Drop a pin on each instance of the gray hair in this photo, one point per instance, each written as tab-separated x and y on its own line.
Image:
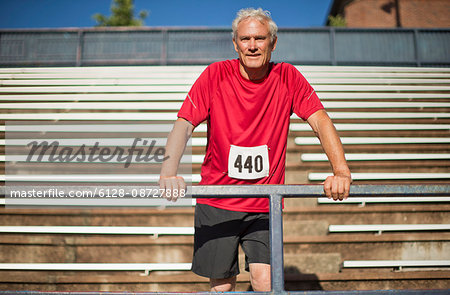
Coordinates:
259	14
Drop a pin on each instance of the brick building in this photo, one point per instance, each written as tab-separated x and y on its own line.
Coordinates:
393	13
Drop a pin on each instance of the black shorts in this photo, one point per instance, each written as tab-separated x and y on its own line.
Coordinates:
219	232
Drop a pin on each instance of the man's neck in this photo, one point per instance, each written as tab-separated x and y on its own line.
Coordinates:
254	74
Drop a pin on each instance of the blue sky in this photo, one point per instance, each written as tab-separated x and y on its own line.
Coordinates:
194	13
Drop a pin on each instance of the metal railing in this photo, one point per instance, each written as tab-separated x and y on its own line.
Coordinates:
276	193
176	46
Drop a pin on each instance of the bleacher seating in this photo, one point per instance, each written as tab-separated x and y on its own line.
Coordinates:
394	123
97	266
387	200
101	230
380	228
399	264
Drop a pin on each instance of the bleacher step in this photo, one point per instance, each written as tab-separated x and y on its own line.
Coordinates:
312	262
305	228
89	249
180	282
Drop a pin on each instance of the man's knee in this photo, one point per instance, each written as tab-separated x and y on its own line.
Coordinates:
260	276
223	285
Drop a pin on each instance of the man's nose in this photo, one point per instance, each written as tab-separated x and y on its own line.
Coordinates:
252	45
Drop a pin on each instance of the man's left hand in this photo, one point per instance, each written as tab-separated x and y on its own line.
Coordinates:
337	187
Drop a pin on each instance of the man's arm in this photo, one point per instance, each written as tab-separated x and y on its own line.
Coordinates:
176	144
338	185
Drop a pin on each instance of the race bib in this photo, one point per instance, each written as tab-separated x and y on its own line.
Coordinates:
248	162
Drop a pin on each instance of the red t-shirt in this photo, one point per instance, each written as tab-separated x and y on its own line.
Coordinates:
246	114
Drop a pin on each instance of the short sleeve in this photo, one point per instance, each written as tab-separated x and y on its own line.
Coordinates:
195	107
305	100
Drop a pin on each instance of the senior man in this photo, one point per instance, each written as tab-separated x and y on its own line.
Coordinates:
247	103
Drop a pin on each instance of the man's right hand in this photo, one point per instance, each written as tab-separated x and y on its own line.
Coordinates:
173	187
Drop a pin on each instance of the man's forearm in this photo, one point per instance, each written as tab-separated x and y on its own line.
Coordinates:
331	144
338	185
176	144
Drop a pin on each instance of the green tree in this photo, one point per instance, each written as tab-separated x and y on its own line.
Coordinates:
337	21
122	14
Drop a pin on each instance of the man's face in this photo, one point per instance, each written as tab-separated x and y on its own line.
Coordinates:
253	44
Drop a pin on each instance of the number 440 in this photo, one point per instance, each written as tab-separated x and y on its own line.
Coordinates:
250	164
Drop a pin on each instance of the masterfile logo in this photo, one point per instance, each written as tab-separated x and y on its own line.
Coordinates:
147	152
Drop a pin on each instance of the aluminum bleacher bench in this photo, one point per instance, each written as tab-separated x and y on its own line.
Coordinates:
383	105
119	116
99	89
172	116
202	127
158	203
376	140
110	178
363	201
374	69
188	73
105	70
384	115
180	96
96	97
374	81
373	127
164	106
185	88
100	230
194	159
115	128
380	228
384	176
379	95
196	141
178	69
377	157
43	80
397	264
145	267
76	81
117	73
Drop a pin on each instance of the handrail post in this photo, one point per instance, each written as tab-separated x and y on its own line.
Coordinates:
276	244
164	47
417	48
332	32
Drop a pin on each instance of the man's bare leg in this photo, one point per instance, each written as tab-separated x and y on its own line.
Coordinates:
260	276
223	285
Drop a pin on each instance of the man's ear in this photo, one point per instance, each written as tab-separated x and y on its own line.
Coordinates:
235	45
274	43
